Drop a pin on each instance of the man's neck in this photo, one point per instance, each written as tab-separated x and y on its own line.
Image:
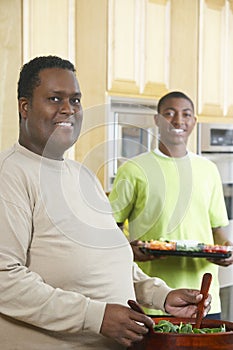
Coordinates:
174	151
49	151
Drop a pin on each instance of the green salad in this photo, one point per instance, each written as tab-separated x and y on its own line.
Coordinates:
185	328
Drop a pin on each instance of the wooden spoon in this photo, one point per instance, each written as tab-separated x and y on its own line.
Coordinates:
205	285
136	307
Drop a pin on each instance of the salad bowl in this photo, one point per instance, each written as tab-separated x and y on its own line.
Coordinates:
186	341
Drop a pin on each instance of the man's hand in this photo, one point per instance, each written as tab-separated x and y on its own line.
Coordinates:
139	255
121	324
220	237
183	302
223	262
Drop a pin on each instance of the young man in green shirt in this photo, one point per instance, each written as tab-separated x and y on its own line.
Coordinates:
173	194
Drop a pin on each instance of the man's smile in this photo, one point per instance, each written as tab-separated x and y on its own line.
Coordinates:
177	131
64	124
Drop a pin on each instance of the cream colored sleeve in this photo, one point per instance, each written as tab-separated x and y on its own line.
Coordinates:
150	292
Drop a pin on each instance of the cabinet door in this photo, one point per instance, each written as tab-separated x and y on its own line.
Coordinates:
229	65
155	48
138	47
184	47
215	86
10	58
55	36
123	46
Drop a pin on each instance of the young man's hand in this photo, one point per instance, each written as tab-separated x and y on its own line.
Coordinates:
139	255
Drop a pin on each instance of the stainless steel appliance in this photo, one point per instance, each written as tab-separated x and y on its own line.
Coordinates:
215	142
215	138
131	131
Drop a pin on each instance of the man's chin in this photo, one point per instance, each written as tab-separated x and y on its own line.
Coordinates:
55	149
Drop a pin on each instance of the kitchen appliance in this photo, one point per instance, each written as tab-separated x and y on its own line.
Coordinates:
215	142
215	138
131	131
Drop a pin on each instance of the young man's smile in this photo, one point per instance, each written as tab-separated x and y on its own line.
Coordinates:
175	121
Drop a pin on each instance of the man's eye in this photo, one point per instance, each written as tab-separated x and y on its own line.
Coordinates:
169	114
54	99
187	115
75	101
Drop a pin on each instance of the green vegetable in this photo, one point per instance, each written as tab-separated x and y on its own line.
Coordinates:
184	328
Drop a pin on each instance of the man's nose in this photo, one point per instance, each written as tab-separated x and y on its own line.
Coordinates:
178	118
66	107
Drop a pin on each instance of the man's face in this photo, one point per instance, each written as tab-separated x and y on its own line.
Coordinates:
175	121
51	121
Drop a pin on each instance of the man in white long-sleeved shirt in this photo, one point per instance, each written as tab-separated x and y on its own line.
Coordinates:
66	269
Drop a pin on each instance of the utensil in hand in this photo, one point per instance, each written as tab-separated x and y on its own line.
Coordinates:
205	285
136	307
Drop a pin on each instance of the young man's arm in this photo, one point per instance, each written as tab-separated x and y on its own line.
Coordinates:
220	238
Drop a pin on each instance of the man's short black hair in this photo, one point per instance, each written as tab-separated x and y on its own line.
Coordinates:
29	74
173	94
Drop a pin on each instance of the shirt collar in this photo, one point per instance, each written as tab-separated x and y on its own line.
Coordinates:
161	154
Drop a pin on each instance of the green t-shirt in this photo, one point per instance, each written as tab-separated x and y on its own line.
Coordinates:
174	199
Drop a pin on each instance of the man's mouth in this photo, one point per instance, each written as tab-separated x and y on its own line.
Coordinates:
64	124
177	131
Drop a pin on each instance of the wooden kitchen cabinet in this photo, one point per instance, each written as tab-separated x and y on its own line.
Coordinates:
152	47
138	47
215	73
183	62
10	58
155	46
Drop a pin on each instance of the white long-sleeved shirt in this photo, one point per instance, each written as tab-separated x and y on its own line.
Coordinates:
62	257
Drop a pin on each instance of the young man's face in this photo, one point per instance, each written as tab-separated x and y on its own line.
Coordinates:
51	122
175	121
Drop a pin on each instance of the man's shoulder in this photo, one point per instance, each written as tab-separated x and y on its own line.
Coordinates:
139	159
7	155
136	164
201	159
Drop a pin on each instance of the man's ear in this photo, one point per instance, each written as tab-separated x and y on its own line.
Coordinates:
156	119
23	107
194	121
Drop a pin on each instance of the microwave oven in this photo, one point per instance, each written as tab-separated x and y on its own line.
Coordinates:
215	138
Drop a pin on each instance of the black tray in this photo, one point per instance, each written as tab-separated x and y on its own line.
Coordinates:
187	253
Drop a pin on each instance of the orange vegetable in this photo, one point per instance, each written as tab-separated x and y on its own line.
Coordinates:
159	245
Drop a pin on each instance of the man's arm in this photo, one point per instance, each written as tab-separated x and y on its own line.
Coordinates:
220	237
156	294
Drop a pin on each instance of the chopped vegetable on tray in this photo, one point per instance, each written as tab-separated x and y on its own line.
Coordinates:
185	245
